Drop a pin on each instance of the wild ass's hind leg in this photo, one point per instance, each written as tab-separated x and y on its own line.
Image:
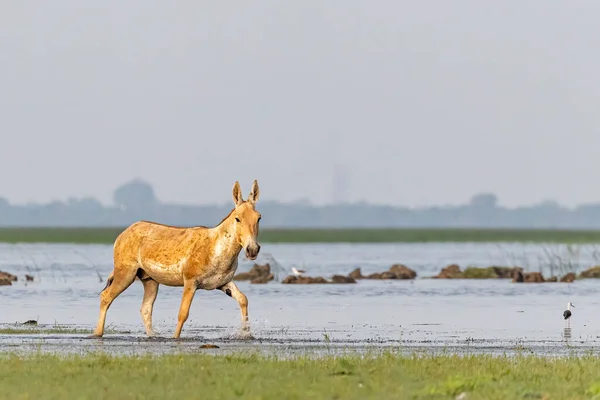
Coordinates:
150	293
189	289
231	290
119	280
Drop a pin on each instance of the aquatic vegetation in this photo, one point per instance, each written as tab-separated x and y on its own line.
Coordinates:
31	327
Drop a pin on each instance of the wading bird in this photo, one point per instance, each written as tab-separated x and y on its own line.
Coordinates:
297	272
567	312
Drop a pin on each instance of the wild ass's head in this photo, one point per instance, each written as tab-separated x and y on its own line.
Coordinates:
247	219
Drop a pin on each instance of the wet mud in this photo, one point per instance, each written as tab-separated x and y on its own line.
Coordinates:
293	343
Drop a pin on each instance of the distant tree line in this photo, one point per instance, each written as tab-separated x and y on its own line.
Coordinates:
136	200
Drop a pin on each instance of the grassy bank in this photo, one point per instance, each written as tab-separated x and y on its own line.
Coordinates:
255	377
108	235
34	329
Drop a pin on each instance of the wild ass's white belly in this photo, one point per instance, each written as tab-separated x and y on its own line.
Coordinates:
216	276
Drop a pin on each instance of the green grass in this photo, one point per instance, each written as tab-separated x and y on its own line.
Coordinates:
34	329
108	235
385	376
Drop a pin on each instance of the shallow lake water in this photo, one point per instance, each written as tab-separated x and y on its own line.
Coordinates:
485	315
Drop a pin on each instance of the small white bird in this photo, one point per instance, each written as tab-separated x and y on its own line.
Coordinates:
297	272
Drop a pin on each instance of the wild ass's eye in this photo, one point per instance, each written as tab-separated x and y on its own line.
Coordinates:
237	219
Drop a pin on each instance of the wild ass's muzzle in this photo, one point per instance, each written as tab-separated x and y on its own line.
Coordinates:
252	251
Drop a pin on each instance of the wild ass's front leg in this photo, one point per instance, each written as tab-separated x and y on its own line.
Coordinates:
232	290
189	289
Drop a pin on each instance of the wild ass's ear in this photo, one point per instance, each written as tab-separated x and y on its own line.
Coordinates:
237	194
254	193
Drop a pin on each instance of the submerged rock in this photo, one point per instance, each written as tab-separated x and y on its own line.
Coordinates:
570	277
479	273
257	274
402	272
342	279
263	279
593	272
383	275
356	274
7	279
375	275
518	275
7	276
304	279
503	272
396	271
534	277
451	271
527	277
292	279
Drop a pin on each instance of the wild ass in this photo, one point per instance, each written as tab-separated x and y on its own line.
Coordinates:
195	258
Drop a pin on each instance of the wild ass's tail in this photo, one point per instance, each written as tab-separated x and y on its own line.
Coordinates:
109	280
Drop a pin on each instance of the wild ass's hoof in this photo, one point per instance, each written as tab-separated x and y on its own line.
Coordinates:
244	333
94	336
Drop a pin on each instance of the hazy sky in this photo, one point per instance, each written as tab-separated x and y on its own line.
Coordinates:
422	102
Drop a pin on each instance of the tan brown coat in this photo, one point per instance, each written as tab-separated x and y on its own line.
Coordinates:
195	258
